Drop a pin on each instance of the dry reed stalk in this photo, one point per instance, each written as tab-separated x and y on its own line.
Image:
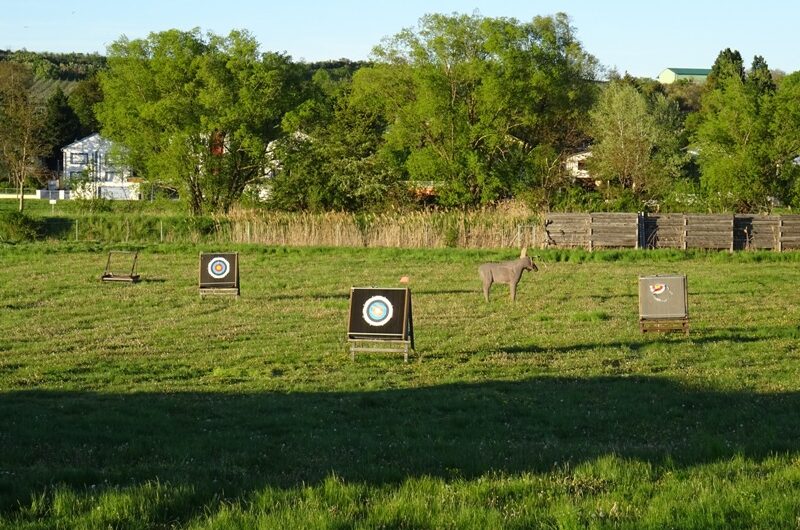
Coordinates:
413	230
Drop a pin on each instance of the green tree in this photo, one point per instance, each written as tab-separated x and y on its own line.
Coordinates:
728	64
735	142
670	155
785	130
624	135
759	78
469	99
40	65
330	156
21	120
686	93
61	127
82	99
196	113
244	96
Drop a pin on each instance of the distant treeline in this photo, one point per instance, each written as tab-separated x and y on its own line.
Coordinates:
58	66
79	66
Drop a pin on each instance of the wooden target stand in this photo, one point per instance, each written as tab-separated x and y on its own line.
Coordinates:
219	273
113	273
380	320
664	325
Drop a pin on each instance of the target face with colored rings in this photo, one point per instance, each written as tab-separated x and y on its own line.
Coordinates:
218	268
377	311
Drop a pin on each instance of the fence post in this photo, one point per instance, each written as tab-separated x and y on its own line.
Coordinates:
638	229
591	233
685	230
76	229
733	228
161	229
780	234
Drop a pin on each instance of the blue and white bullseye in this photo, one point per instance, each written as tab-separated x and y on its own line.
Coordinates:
218	268
377	311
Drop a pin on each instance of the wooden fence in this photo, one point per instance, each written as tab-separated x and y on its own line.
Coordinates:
684	231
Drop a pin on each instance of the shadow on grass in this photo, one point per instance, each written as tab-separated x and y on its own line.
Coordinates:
58	227
712	336
625	345
233	443
153	280
477	291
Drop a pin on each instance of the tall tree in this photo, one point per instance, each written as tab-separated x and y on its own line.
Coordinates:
82	99
21	120
728	64
469	99
759	78
624	134
785	130
61	127
196	113
735	142
638	140
330	157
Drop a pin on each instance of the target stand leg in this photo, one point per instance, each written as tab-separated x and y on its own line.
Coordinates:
359	345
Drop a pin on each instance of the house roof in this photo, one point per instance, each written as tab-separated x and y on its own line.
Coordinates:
690	71
92	142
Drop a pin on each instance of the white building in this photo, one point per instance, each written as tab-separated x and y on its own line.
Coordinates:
90	163
694	75
576	166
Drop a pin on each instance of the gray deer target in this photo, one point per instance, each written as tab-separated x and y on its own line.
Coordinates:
508	272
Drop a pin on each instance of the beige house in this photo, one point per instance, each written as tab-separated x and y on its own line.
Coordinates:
695	75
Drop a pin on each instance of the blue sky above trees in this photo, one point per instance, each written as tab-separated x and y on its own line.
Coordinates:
635	37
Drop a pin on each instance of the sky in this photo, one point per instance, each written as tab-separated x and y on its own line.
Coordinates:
638	37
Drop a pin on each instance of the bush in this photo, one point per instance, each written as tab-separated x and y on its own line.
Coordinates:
18	226
94	205
202	226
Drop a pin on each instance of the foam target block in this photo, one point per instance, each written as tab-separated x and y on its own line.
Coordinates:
219	270
380	314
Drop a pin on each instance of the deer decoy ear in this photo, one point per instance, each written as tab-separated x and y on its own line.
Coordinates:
524	252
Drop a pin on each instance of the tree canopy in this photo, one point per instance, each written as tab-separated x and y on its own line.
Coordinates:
469	100
22	143
736	142
196	112
458	111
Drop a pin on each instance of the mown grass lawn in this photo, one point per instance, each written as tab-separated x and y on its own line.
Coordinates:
141	406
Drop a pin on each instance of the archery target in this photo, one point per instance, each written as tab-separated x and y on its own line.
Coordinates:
377	311
663	297
218	267
219	270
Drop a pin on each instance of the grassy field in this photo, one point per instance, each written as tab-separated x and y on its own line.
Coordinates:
145	406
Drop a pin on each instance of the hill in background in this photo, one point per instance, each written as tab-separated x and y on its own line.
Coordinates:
54	70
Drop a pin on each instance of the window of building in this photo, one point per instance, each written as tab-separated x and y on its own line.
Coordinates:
79	158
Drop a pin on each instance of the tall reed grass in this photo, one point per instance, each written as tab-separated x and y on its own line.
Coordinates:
498	227
478	229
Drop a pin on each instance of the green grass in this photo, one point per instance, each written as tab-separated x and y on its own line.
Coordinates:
141	406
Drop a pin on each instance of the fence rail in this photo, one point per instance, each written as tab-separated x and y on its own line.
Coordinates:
682	231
